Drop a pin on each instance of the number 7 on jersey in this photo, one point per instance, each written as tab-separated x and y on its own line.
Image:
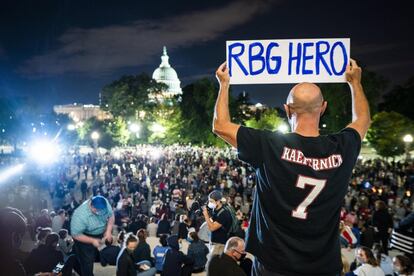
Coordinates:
301	211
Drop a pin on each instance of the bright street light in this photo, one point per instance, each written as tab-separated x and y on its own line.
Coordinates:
95	135
283	128
134	127
44	151
408	139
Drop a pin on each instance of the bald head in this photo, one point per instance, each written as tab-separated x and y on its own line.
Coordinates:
305	97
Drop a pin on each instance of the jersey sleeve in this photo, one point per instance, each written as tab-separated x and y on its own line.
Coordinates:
249	145
350	141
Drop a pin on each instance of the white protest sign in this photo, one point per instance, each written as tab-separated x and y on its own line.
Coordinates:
287	60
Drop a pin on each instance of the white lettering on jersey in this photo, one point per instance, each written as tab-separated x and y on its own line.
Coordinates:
318	164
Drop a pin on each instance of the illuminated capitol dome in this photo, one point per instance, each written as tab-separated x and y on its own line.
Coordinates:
166	74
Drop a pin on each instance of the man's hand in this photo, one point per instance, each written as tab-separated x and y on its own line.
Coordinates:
222	74
96	242
353	73
205	213
107	236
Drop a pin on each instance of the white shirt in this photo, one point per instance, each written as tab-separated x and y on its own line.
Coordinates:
369	270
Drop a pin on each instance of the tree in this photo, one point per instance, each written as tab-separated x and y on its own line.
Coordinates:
269	119
130	95
197	110
339	112
386	133
400	99
118	131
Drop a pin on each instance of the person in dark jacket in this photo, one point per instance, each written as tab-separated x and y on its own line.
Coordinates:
183	227
109	254
143	250
45	257
164	226
197	251
383	224
125	264
176	263
226	263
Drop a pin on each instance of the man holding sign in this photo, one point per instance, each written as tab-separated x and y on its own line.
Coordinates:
302	178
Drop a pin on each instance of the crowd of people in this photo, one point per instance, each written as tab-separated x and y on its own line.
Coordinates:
170	193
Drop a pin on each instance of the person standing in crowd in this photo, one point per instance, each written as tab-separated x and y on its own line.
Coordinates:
219	223
198	251
176	263
226	263
91	223
302	178
383	224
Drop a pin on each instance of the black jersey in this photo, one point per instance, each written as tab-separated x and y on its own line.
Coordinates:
301	184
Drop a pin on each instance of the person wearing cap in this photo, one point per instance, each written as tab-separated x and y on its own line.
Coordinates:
91	224
219	223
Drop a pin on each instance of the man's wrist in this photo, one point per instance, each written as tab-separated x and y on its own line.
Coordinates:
225	84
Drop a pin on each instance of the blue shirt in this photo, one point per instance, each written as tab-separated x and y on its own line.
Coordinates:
84	221
159	253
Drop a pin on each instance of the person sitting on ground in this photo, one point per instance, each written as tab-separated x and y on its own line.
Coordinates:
125	264
65	242
368	264
12	228
163	225
45	257
226	262
143	250
42	234
109	254
197	251
176	263
403	266
152	227
159	252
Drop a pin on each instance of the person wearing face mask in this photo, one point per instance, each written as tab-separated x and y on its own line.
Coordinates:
125	263
219	223
226	263
403	266
91	225
369	266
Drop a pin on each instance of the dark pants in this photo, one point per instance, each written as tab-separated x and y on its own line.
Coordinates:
86	254
258	269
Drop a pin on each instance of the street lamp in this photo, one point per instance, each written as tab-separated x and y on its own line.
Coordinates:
135	128
408	139
95	137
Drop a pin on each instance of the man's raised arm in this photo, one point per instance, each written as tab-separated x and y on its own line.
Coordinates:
222	125
360	108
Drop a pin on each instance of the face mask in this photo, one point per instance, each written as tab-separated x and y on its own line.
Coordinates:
212	205
242	257
397	269
360	260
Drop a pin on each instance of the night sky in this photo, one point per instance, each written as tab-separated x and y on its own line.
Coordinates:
61	51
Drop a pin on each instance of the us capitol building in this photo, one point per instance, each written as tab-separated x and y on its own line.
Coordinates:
163	74
167	75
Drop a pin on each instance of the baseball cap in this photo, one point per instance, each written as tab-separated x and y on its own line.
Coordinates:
99	202
216	195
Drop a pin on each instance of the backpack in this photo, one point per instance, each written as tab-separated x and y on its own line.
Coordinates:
235	227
